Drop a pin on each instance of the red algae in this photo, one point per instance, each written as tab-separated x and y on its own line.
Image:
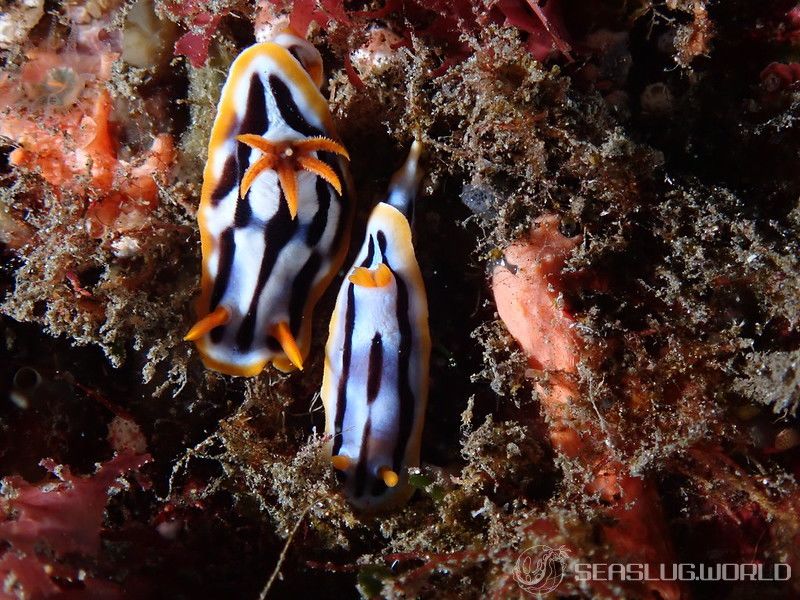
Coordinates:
67	514
56	520
202	23
447	22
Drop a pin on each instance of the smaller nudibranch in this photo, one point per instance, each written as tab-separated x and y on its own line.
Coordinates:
375	384
275	210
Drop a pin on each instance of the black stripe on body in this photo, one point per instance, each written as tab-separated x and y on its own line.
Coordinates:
255	118
244	212
361	467
382	244
375	375
289	109
278	232
228	180
317	226
255	121
301	286
375	369
293	50
404	391
347	354
370	252
344	198
224	267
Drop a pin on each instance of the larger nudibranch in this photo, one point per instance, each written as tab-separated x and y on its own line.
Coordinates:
275	210
375	386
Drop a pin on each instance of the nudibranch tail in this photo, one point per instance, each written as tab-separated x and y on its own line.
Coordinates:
375	384
275	211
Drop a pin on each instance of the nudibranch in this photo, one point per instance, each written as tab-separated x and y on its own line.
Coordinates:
375	383
275	211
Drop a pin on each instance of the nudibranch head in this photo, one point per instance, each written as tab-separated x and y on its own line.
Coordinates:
303	51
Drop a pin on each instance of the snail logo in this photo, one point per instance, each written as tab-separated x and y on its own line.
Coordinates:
540	569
